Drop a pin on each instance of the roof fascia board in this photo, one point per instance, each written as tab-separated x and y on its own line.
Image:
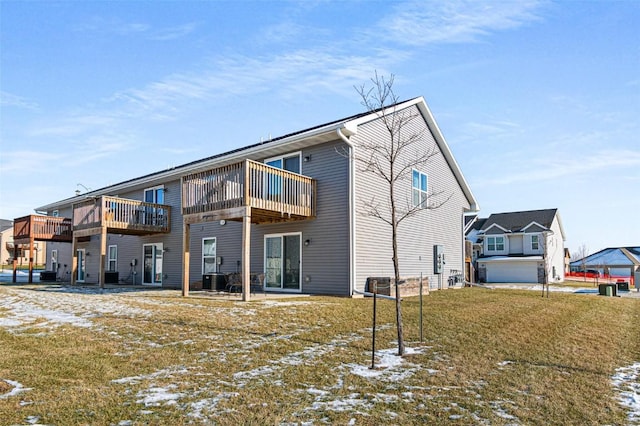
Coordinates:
179	171
631	257
438	136
532	224
496	225
557	217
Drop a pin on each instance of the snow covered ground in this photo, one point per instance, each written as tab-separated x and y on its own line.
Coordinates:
54	305
557	288
6	275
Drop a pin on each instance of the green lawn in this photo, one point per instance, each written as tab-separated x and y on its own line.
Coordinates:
488	357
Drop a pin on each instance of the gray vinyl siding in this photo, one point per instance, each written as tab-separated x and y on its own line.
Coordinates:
416	235
325	261
131	247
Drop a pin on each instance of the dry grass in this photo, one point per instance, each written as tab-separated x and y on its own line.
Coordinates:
493	357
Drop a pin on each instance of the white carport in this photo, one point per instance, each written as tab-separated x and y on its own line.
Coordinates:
505	269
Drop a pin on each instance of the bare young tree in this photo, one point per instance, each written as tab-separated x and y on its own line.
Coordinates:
581	254
393	160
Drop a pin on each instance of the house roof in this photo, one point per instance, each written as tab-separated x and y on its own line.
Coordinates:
518	221
292	141
612	256
5	224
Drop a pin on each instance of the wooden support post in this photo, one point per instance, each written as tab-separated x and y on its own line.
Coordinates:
246	255
74	261
103	255
15	262
186	238
31	244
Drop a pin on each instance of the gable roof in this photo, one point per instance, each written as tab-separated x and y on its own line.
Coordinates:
290	142
519	221
612	256
5	224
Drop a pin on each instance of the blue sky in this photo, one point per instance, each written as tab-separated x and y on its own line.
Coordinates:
538	100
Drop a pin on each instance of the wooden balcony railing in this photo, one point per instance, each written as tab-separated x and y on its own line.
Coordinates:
42	228
273	194
122	216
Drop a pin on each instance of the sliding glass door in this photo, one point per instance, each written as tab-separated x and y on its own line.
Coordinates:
283	261
152	265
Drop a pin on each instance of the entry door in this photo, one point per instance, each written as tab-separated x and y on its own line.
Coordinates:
283	262
82	267
152	264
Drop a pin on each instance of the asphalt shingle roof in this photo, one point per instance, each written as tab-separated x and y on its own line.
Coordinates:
515	221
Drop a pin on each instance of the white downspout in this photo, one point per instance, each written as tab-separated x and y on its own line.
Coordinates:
352	215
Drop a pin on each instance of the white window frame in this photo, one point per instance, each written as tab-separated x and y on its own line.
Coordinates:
54	260
112	259
157	259
282	157
155	195
300	274
535	239
422	193
495	243
215	251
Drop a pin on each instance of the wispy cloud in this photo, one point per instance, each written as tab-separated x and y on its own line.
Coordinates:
13	161
10	100
173	33
547	169
125	29
422	22
300	71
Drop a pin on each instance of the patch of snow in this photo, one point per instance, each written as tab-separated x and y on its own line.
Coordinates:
28	307
500	410
503	363
17	388
348	403
388	365
279	303
155	396
162	374
209	404
626	382
538	287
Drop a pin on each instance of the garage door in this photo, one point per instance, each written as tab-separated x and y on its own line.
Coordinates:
512	272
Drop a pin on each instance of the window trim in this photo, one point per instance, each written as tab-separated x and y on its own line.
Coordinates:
208	257
114	259
300	254
155	197
283	156
423	202
495	243
537	242
54	260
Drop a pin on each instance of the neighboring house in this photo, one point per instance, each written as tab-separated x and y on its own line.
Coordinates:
520	247
9	248
611	262
288	210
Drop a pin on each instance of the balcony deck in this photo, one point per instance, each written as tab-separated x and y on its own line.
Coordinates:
274	195
41	228
120	216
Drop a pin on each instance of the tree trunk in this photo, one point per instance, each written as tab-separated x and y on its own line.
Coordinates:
396	271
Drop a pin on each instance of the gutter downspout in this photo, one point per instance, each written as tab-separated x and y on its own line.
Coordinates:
352	215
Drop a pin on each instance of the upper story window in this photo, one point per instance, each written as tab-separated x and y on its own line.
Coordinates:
154	195
419	189
535	242
290	162
495	243
55	213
